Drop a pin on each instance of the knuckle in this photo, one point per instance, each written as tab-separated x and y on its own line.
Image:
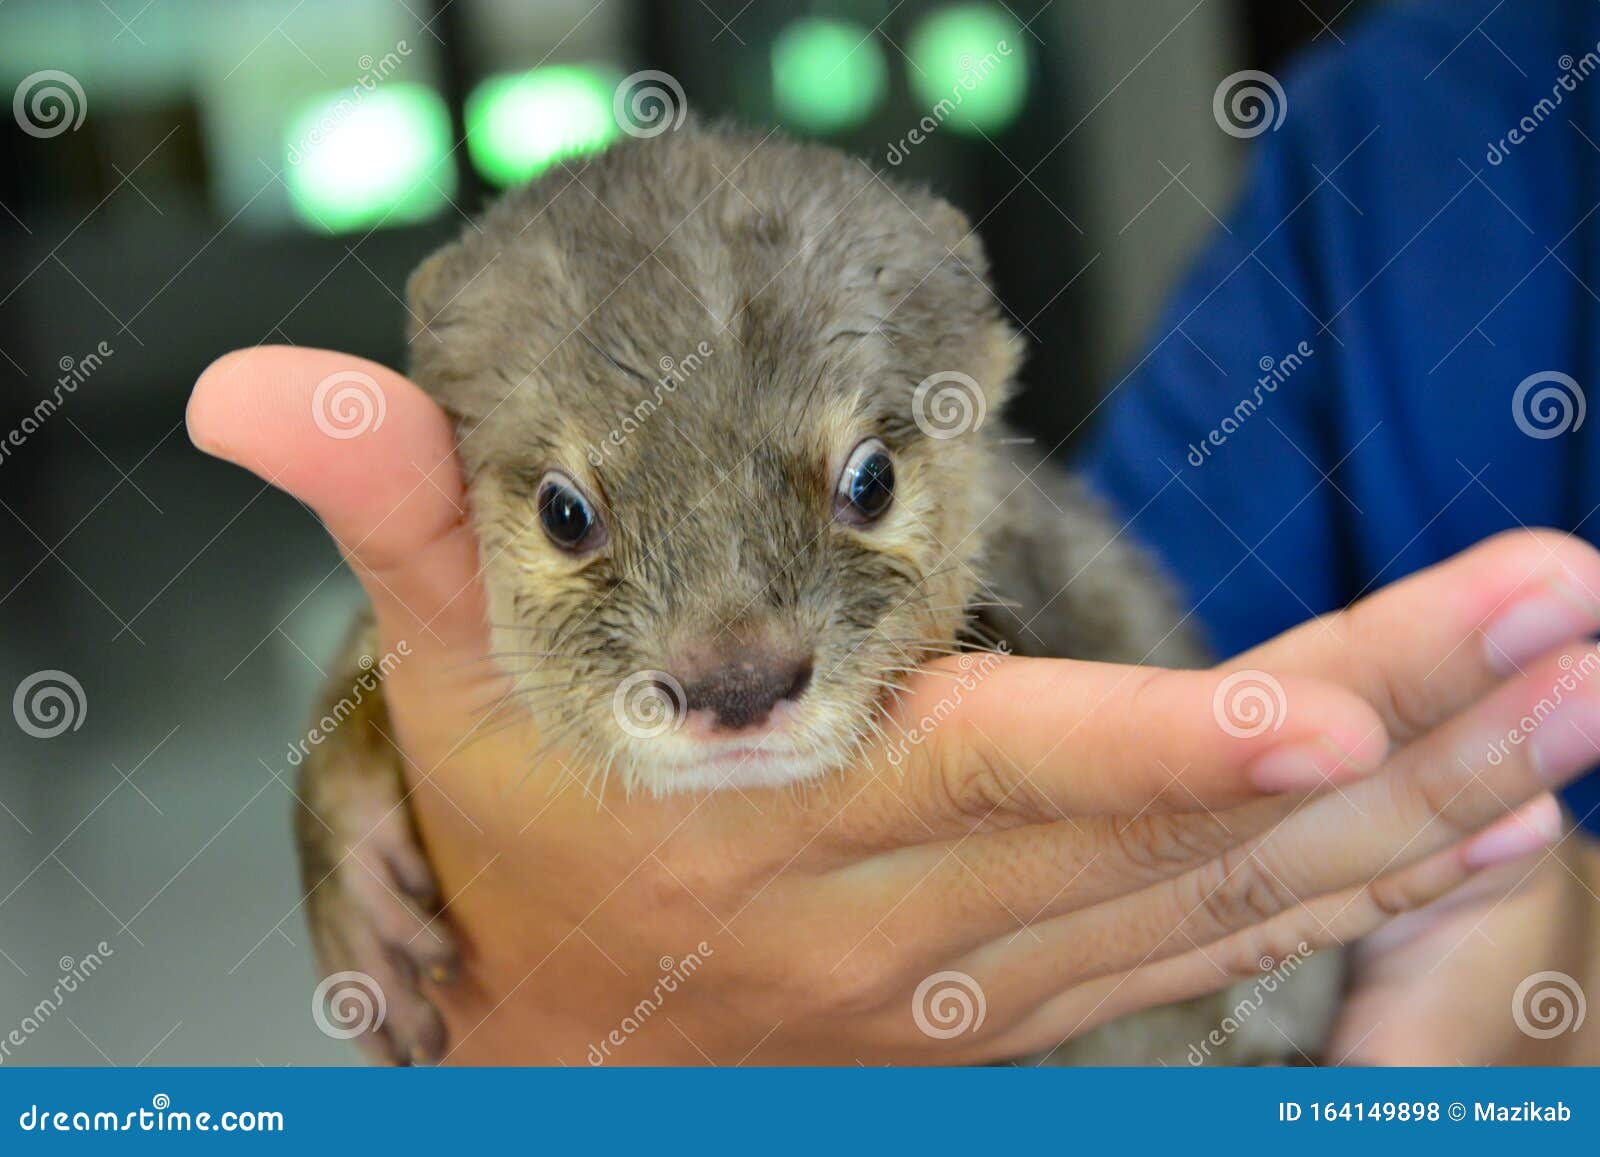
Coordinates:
679	879
1366	633
1396	893
1242	892
1157	843
1263	951
861	983
1404	705
972	783
1434	795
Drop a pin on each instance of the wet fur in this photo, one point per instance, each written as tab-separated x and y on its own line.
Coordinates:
825	296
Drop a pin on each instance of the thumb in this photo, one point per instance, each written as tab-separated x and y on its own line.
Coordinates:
374	459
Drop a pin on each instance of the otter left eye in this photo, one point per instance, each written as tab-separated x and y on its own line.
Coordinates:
568	518
866	488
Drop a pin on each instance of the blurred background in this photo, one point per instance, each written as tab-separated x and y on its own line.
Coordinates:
233	173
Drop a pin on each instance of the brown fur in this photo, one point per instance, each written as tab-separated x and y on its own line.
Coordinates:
824	296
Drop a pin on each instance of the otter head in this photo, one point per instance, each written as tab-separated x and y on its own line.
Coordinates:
719	400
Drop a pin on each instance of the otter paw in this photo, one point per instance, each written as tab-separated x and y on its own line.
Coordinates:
379	936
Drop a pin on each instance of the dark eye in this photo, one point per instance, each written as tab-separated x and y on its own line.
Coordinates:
866	488
567	516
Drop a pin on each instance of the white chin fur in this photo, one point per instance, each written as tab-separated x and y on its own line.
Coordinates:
758	769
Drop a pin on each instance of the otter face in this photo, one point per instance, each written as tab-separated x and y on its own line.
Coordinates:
719	521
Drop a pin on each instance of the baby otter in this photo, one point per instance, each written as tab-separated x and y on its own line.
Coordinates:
728	407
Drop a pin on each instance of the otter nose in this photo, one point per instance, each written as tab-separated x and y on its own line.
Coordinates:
744	693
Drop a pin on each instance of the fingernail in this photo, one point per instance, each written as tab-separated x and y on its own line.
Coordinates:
1541	622
1301	766
1567	742
1531	828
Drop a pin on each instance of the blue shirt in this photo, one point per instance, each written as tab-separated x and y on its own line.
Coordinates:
1336	396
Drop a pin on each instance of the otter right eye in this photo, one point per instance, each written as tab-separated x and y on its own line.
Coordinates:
567	516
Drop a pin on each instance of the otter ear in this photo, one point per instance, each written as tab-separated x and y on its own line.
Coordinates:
952	228
429	289
998	349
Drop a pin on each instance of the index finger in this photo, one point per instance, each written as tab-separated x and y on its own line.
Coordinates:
1011	740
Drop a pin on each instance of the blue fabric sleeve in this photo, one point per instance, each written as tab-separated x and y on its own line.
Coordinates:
1327	404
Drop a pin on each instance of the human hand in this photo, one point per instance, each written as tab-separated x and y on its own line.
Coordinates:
1498	973
1078	840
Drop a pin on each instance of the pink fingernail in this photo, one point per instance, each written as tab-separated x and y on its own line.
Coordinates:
1539	623
1531	828
1305	765
1566	742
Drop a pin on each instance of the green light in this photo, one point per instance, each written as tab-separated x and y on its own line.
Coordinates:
827	75
357	159
518	126
973	66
